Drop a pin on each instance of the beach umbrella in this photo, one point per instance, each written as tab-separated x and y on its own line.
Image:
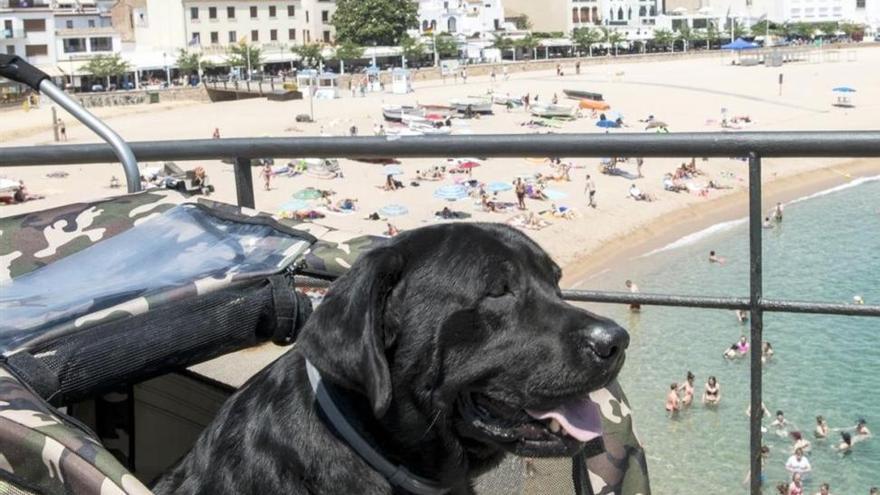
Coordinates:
843	89
451	192
499	186
554	194
294	205
656	123
307	193
392	170
468	164
739	44
606	124
393	210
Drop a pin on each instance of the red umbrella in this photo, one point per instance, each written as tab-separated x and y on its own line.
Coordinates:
468	164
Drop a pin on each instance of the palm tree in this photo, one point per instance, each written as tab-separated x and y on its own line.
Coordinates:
528	43
584	38
711	34
686	34
503	43
615	38
664	38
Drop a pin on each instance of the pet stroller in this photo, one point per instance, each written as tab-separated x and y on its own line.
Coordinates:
98	298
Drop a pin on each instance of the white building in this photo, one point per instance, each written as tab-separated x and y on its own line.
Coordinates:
466	17
564	16
27	29
780	11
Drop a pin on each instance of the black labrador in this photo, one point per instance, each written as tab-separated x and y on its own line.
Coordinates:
446	348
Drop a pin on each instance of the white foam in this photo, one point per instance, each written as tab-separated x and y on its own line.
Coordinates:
697	236
848	185
725	226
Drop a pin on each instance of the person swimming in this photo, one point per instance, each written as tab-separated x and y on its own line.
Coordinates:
714	258
781	424
766	352
742	346
845	444
688	388
731	352
800	442
742	315
712	392
821	427
673	403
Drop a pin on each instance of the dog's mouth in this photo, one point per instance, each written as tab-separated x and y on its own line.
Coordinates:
561	431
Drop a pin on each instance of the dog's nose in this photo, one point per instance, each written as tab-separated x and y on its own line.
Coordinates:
607	339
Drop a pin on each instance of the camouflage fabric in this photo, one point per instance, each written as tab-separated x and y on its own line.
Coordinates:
32	240
42	453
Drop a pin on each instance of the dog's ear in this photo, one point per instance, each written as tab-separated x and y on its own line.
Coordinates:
345	336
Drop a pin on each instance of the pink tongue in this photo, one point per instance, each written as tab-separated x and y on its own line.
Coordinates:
580	418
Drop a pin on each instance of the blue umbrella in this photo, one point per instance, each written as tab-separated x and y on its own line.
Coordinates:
392	170
606	124
294	205
739	44
554	195
843	89
393	210
451	192
499	187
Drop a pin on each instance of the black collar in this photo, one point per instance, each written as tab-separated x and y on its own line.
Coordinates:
397	475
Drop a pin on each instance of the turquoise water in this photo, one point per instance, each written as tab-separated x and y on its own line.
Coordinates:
827	248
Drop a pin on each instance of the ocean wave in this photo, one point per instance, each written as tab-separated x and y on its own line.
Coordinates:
698	236
848	185
725	226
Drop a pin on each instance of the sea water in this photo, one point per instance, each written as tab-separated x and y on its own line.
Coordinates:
827	248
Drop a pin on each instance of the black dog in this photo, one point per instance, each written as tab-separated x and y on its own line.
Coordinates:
446	348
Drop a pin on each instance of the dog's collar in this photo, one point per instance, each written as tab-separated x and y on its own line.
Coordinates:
397	475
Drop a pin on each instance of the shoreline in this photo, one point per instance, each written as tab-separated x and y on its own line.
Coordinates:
652	235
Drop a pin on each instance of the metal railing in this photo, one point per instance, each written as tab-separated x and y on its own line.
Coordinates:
751	146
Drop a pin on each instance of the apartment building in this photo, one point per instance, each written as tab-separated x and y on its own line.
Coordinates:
467	17
27	29
860	11
566	15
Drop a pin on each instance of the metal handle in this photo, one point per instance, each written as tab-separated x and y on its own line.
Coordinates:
16	69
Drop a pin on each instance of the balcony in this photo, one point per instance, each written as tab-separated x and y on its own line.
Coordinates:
86	31
12	34
24	4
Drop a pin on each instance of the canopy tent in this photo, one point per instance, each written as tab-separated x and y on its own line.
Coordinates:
739	44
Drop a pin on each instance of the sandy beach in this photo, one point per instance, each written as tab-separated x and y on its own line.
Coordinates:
687	94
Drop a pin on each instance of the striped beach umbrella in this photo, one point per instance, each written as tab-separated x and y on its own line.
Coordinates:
451	192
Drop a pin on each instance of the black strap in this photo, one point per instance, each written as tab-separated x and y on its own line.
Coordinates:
17	69
397	475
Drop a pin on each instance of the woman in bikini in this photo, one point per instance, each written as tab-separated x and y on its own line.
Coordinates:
712	392
688	388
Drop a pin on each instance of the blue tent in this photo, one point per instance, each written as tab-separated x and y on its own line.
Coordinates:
843	89
739	44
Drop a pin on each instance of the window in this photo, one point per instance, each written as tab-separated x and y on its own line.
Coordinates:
307	16
255	35
34	50
91	23
326	36
325	16
74	45
232	37
34	25
291	34
272	12
452	25
230	12
291	11
68	24
194	13
215	37
10	49
253	12
273	35
212	12
102	44
860	4
574	15
307	36
196	39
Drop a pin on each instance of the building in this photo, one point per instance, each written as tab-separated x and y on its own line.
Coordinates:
781	11
28	30
564	16
467	17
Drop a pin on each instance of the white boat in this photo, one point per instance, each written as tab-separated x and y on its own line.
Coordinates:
505	100
473	104
430	130
401	113
553	111
403	132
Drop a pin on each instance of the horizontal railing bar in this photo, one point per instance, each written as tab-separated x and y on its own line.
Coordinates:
778	306
767	144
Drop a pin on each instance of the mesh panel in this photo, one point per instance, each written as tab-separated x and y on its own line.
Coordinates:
167	338
520	476
7	488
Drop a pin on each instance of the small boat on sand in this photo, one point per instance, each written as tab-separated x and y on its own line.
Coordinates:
473	104
553	111
576	94
399	113
507	100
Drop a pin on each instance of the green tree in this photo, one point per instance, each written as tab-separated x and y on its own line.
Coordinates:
528	43
761	28
615	38
189	63
446	46
244	55
711	34
503	44
523	23
369	22
347	51
585	37
107	66
311	54
413	49
686	34
663	38
852	30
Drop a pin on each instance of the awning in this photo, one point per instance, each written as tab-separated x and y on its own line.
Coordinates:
52	70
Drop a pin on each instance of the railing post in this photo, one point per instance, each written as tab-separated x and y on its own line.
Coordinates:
757	320
244	182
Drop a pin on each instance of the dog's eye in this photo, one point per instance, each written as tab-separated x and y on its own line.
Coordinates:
500	289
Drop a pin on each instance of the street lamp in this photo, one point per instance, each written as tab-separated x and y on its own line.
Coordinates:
167	71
